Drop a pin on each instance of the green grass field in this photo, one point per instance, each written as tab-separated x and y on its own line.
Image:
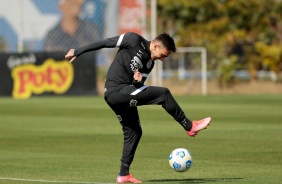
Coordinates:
79	140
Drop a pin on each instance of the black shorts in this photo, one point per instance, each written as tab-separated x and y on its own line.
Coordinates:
125	101
130	96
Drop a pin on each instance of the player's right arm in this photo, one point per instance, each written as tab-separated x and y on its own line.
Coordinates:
117	41
70	55
105	43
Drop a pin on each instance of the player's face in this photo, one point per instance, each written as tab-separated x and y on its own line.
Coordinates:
159	52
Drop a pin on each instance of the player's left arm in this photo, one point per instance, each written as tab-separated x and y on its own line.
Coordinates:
139	78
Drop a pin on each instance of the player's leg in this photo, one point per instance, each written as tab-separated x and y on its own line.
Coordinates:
129	119
132	133
162	96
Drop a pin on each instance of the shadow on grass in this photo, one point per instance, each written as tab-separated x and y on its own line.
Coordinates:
191	180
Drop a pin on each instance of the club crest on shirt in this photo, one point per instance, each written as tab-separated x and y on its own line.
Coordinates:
149	64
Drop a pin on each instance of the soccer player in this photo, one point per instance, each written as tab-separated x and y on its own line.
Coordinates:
125	89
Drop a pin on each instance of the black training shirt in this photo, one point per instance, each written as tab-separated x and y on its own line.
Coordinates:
134	53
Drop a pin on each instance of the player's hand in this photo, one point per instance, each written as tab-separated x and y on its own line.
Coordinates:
70	55
137	76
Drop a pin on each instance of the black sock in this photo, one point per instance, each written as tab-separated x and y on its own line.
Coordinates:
124	169
187	124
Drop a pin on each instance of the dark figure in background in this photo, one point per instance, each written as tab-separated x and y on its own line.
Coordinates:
70	32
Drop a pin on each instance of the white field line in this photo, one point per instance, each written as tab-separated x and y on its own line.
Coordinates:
50	181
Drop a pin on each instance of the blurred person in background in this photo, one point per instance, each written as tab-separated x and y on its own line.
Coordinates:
71	31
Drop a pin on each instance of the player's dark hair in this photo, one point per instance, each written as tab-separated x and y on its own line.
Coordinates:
167	41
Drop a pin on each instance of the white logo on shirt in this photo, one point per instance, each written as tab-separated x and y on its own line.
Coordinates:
136	62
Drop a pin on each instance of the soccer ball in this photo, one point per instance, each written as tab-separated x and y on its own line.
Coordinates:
180	160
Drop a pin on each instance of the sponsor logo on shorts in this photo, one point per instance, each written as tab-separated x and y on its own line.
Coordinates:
133	103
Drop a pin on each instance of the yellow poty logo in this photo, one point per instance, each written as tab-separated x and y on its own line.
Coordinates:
52	76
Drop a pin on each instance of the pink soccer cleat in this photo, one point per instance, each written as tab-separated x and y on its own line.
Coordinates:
127	179
198	126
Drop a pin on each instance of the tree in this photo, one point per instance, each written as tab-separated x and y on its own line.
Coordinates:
227	28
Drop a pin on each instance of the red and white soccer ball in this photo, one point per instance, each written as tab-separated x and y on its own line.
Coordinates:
180	160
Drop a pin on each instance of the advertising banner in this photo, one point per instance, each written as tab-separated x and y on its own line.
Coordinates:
130	16
28	74
39	25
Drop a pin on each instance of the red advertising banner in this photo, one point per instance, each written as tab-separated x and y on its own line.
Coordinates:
130	16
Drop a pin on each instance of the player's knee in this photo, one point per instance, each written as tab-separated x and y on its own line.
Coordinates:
130	132
138	132
165	91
